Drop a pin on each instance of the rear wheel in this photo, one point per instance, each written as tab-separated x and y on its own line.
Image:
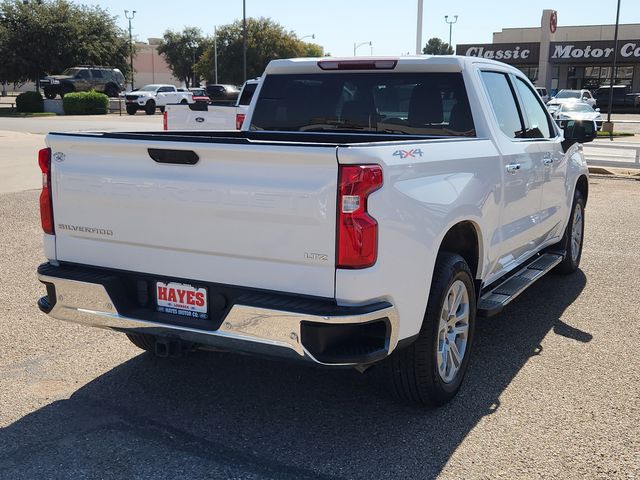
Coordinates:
150	107
429	372
572	239
50	93
143	341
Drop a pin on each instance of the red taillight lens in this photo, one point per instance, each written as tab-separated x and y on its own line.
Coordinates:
46	206
357	230
239	120
164	121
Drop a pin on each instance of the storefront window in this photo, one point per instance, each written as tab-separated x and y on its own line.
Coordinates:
530	72
555	79
595	77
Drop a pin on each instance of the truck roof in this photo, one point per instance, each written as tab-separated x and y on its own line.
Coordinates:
440	63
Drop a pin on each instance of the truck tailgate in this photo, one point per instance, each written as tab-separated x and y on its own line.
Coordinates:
244	214
216	117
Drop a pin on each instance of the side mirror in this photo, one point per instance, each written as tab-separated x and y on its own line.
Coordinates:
578	131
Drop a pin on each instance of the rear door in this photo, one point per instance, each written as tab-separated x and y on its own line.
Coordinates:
520	232
548	153
253	215
166	95
99	82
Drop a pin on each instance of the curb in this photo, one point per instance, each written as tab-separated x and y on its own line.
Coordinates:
616	172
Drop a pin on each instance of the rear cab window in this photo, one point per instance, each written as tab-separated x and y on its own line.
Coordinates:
503	101
425	103
538	122
518	110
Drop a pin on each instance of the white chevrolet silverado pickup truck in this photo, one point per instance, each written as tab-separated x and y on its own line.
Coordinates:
366	214
201	116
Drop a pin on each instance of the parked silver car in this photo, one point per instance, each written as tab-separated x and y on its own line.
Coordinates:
575	111
574	96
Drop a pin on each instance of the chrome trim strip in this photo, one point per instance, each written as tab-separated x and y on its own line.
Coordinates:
89	304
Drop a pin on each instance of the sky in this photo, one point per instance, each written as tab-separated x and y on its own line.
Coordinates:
389	24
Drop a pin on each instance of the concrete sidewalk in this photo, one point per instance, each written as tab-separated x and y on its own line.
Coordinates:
19	161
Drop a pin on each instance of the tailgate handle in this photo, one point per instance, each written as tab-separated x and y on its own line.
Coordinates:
175	157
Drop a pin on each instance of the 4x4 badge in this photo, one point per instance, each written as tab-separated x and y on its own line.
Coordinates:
59	157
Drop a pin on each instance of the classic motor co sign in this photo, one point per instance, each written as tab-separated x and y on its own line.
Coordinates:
594	52
512	53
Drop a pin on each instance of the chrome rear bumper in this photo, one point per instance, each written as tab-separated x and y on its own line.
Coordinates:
245	328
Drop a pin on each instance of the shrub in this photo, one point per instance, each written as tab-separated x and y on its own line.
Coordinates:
30	102
85	103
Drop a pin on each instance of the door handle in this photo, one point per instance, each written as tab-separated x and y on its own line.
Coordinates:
547	160
512	168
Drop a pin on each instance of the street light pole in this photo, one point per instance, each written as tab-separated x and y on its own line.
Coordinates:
215	54
193	66
419	28
244	40
446	19
615	65
312	37
133	14
358	45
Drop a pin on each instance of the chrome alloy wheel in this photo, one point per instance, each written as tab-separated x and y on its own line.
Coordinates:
453	331
576	232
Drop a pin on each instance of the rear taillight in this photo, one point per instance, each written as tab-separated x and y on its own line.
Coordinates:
46	205
239	120
164	121
357	230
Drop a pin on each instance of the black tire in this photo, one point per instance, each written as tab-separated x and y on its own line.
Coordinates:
150	108
50	93
143	341
132	109
183	101
573	254
111	91
161	109
414	370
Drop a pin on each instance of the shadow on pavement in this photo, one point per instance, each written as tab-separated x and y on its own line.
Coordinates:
215	415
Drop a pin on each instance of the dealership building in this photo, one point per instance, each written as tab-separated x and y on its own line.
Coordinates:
557	57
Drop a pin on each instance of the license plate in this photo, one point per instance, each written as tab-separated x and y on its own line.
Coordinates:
181	299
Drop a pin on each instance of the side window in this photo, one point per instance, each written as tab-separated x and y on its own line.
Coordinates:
96	73
536	118
503	103
84	74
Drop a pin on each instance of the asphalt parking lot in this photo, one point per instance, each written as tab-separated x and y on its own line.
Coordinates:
553	390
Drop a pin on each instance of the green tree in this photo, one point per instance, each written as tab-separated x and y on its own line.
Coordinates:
182	50
47	37
436	46
266	40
